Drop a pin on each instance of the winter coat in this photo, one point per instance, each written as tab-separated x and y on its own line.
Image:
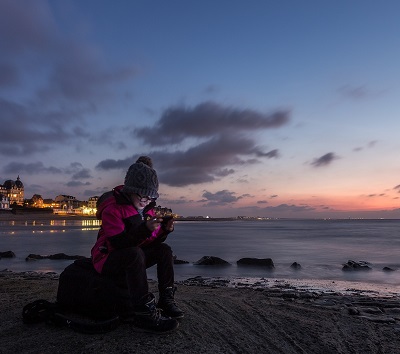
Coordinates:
122	226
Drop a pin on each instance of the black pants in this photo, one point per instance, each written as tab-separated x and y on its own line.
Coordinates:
131	263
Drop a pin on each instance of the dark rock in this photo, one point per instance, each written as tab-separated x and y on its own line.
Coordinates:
353	265
180	261
295	265
64	256
388	269
7	254
34	256
56	256
264	262
211	260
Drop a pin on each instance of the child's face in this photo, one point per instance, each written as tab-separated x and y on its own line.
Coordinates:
139	201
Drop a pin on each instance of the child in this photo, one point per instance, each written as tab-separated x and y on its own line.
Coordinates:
131	239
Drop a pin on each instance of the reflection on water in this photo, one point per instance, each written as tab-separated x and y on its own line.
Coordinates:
91	222
53	222
52	226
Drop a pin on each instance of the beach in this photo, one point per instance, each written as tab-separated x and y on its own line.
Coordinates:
218	319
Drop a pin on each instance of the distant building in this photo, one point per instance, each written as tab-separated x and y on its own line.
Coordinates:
67	202
49	203
92	202
162	210
36	201
91	206
14	191
4	202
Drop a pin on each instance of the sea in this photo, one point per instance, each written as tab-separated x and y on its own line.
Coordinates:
320	247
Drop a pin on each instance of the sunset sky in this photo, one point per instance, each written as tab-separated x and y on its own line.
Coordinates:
258	108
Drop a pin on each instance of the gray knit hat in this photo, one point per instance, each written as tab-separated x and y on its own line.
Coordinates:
141	178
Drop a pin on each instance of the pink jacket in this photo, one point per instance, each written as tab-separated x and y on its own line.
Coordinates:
122	226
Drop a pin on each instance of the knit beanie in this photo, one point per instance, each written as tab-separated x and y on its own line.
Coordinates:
141	178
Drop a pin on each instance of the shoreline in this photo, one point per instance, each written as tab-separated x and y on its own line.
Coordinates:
316	286
30	215
218	319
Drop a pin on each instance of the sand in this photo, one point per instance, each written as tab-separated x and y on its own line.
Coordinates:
218	319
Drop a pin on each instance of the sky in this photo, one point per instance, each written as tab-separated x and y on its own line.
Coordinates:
281	109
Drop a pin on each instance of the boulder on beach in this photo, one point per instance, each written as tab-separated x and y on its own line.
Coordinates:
56	256
295	266
179	261
211	260
7	254
263	262
353	265
388	269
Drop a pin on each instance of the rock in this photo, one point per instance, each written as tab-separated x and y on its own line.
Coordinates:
64	256
295	265
33	256
7	254
179	261
56	256
211	260
388	269
264	262
353	265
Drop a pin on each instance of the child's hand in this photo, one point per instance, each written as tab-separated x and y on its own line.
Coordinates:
168	223
154	223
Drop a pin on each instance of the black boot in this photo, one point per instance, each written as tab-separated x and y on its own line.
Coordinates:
148	317
167	304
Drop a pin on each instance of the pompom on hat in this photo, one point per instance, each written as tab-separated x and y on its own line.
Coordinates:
141	178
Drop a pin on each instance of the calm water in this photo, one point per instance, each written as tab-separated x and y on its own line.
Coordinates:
320	246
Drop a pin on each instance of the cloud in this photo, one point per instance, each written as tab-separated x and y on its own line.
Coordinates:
206	120
354	92
26	26
211	89
93	192
50	81
223	197
34	131
324	160
370	145
286	208
8	75
82	174
205	162
111	164
217	139
75	169
77	184
30	168
78	171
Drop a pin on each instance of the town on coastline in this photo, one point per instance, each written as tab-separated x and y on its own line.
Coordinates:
12	200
